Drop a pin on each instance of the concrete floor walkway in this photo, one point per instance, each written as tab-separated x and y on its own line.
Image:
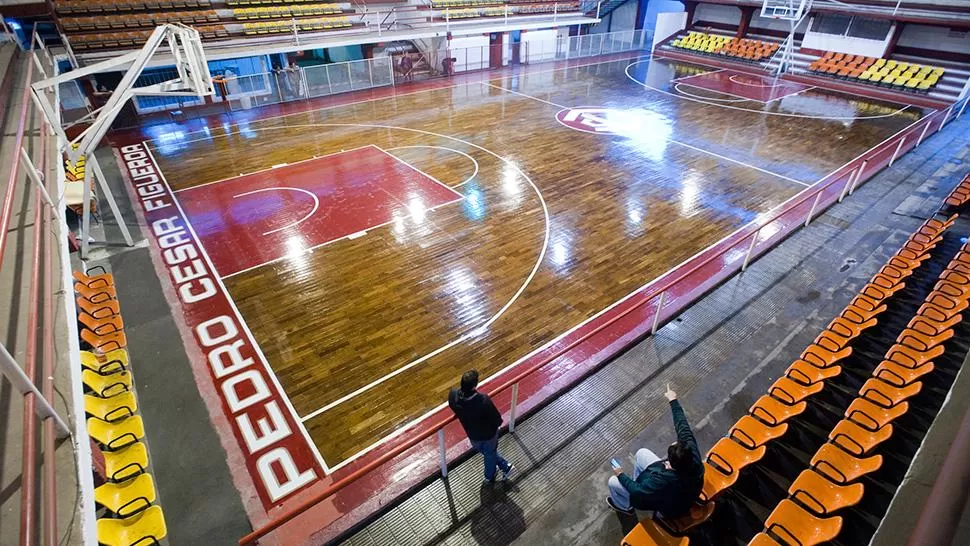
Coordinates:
720	355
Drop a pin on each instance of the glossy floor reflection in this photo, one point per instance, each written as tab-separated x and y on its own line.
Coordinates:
579	186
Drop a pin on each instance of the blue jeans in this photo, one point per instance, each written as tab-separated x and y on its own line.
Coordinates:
489	450
619	494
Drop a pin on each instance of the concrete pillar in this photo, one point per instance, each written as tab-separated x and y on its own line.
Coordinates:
746	13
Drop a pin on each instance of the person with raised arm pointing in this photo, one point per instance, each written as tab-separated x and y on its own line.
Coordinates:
668	486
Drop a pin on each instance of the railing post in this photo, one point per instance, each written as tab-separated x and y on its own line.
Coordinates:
515	399
329	85
442	453
747	257
656	314
845	189
896	153
946	114
370	70
814	204
858	175
921	135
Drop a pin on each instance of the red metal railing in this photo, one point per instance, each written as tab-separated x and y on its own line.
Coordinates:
856	170
40	301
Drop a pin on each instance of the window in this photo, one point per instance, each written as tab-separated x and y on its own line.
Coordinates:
830	23
870	29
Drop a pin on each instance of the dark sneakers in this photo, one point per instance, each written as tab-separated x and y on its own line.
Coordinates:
630	512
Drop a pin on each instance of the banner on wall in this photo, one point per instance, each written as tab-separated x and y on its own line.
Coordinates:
668	24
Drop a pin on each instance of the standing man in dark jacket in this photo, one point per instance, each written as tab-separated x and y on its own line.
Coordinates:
481	421
667	486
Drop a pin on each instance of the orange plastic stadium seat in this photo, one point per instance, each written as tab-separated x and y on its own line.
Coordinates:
830	341
843	467
850	329
773	411
887	283
106	342
911	254
95	295
920	341
752	433
912	358
917	246
887	395
955	291
648	533
792	392
698	513
807	373
959	267
795	525
867	307
764	539
894	273
856	439
899	375
873	416
904	264
93	281
935	314
956	277
106	325
821	495
932	326
813	354
724	463
946	303
875	293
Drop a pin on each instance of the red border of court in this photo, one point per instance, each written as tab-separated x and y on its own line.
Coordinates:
376	482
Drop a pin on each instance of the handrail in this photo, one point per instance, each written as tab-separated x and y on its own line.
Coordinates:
650	293
9	191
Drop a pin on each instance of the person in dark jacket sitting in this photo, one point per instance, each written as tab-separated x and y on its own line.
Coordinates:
481	421
667	486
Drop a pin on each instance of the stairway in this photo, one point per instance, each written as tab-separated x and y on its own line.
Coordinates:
606	8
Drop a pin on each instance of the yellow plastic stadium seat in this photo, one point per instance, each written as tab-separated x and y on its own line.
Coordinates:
109	385
879	63
141	528
912	83
114	361
127	498
126	462
116	435
111	409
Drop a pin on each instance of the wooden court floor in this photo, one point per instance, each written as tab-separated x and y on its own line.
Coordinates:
552	221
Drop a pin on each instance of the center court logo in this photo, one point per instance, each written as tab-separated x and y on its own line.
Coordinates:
601	121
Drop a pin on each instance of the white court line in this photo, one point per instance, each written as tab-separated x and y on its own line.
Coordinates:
737	98
772	86
239	317
310	249
479	328
833	90
274	167
763	112
682	78
701	150
633	55
316	205
467	180
406	427
417	170
561	107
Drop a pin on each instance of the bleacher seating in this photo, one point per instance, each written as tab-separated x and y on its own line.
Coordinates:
900	76
111	6
848	465
126	498
295	10
309	25
442	4
716	44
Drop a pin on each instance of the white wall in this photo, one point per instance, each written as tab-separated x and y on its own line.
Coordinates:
938	38
540	45
846	44
717	13
471	52
622	18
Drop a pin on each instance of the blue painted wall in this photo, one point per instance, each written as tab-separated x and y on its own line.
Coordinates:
659	6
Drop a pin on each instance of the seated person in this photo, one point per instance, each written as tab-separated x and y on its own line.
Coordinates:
667	486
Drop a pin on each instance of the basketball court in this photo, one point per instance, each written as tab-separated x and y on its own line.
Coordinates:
376	250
